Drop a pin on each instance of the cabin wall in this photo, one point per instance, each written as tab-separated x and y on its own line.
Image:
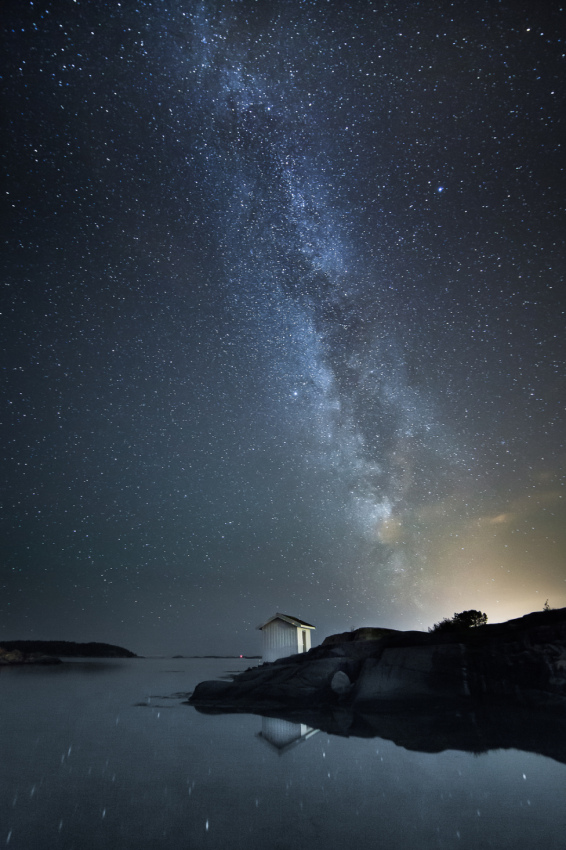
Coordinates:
304	645
279	640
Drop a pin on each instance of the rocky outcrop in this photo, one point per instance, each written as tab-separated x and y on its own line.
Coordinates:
522	661
16	656
413	672
365	633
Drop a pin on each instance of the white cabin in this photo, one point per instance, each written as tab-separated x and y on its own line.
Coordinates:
284	635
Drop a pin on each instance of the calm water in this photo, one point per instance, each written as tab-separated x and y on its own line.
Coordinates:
84	765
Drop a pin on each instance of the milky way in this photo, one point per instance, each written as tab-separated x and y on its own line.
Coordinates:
284	317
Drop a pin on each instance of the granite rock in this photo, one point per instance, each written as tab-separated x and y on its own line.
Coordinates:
16	656
523	661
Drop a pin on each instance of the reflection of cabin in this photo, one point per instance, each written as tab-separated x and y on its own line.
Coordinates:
284	635
282	735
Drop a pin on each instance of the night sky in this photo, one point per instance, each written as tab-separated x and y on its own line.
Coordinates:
282	317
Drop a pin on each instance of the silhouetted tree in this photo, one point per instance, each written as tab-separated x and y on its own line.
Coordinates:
470	619
445	625
464	620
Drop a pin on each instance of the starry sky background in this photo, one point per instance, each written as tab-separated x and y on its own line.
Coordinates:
282	317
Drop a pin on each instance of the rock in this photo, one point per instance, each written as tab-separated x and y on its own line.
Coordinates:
291	683
522	661
340	683
13	656
365	633
212	691
16	656
413	672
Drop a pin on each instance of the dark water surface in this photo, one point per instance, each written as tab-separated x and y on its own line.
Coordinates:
106	754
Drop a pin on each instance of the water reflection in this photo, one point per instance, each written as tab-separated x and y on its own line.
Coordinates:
282	735
85	767
427	727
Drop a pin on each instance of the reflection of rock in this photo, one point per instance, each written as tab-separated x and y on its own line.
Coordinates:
16	656
432	727
521	661
283	734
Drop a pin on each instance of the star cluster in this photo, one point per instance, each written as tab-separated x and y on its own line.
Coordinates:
283	317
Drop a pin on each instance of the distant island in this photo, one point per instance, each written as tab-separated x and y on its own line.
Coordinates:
51	651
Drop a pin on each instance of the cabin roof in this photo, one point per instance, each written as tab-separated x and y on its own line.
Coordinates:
294	621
